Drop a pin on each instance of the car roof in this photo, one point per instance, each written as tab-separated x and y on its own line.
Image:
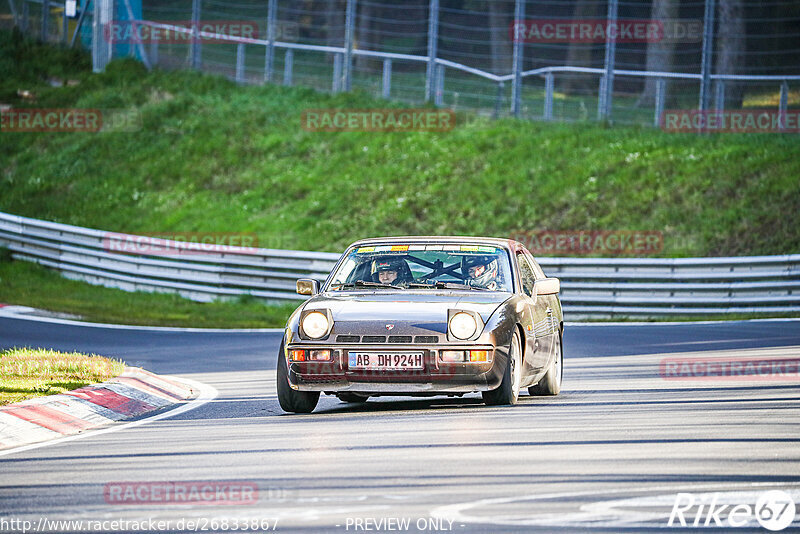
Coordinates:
505	243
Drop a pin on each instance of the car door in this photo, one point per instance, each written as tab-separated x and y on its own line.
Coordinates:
534	315
548	329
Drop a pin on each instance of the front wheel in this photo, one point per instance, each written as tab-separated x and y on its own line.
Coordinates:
292	400
550	384
508	392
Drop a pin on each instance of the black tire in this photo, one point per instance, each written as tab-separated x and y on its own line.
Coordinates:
550	384
352	398
508	391
292	400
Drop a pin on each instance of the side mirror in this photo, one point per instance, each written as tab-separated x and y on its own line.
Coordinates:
547	286
307	286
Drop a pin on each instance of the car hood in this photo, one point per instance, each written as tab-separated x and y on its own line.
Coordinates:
410	311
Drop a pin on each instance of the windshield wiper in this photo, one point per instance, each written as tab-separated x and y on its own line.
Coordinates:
364	283
446	285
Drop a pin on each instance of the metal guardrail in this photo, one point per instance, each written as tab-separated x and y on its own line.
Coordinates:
591	287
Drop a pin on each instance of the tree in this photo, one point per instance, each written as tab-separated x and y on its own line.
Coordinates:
500	18
580	54
660	53
731	37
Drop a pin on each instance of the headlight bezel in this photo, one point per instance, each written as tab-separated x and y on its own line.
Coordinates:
457	314
306	335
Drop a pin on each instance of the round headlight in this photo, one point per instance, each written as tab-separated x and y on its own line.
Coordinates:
315	324
463	325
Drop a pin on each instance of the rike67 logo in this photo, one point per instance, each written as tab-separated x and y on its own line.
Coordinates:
774	510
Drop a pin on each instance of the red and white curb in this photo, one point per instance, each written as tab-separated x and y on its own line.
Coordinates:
134	393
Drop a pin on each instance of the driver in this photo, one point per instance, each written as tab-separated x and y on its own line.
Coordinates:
481	271
391	271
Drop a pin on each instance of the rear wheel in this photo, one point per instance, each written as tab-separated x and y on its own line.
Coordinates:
292	400
550	384
508	392
352	397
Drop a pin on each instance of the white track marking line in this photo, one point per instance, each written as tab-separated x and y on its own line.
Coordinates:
455	513
207	394
11	315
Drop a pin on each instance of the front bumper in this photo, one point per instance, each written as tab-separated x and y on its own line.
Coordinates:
435	377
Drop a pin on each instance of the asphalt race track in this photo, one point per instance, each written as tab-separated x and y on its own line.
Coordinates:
609	454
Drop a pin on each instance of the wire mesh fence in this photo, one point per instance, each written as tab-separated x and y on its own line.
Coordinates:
625	61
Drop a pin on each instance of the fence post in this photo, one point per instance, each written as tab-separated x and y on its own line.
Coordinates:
604	102
719	95
240	63
337	73
516	87
14	13
25	16
45	20
433	43
100	48
661	87
131	18
439	98
783	104
288	66
195	60
272	12
387	78
154	52
498	103
548	96
64	25
708	50
349	31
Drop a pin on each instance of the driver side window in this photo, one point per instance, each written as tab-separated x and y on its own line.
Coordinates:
527	276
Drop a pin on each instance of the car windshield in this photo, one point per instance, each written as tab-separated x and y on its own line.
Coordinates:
424	266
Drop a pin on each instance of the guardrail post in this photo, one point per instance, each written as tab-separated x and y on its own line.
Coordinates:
349	31
387	78
708	50
661	89
719	95
45	20
195	50
604	102
337	73
240	63
516	87
783	104
272	13
288	67
439	100
549	84
433	43
498	103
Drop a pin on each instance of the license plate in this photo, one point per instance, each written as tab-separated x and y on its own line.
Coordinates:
384	360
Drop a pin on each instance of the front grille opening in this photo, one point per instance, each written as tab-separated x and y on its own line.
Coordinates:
373	339
348	339
426	339
399	339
